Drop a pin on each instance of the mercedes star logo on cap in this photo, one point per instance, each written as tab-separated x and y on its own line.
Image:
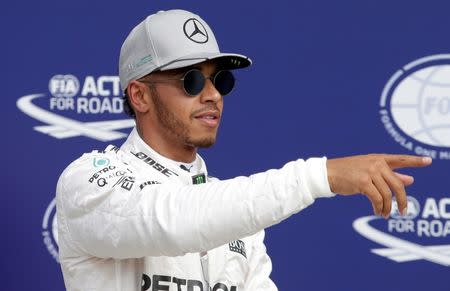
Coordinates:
195	31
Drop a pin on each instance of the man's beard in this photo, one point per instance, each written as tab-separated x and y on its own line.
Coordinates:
175	127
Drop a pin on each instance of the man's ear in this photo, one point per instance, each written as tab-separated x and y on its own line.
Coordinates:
139	96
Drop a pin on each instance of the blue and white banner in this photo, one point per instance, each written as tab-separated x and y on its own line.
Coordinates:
332	78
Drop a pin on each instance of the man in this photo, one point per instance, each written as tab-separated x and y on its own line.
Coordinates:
147	216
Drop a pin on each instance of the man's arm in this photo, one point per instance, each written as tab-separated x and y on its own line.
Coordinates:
171	220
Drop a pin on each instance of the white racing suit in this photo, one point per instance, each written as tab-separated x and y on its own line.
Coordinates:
130	219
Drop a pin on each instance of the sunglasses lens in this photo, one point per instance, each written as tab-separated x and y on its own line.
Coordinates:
194	81
224	82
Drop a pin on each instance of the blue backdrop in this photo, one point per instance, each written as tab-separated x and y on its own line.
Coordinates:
330	78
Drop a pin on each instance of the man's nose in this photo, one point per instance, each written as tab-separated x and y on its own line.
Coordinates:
210	93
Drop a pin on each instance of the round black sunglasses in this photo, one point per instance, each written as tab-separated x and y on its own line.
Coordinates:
194	81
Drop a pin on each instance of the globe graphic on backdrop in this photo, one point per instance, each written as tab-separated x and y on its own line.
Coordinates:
420	105
50	229
55	229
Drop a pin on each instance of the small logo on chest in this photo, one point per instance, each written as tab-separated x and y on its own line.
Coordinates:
199	179
238	246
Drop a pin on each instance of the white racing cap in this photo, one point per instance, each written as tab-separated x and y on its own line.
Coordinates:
169	40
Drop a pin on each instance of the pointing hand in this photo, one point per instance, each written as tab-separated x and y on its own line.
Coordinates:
373	176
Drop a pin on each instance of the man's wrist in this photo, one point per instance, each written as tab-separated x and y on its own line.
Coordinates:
318	177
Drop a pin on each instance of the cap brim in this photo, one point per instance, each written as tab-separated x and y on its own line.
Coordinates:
225	60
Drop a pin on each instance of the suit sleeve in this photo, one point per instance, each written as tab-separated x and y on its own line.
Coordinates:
109	215
260	267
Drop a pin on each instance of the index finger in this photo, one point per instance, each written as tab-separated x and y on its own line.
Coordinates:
406	161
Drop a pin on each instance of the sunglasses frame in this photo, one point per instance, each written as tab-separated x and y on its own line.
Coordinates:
212	78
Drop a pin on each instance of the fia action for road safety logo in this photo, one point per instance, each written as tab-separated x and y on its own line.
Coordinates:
420	235
89	106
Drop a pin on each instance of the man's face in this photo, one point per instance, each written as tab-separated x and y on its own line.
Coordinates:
190	120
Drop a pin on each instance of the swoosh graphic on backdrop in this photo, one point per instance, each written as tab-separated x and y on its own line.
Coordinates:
63	127
405	250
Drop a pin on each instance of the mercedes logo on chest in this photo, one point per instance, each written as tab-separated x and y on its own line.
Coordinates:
195	31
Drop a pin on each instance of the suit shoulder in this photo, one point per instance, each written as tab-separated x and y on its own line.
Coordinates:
212	179
90	163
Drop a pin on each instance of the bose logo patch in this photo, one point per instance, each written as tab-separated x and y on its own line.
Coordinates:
238	246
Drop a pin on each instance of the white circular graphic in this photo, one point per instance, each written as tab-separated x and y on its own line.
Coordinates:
413	209
64	86
418	98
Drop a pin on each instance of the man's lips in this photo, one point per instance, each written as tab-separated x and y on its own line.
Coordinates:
209	118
